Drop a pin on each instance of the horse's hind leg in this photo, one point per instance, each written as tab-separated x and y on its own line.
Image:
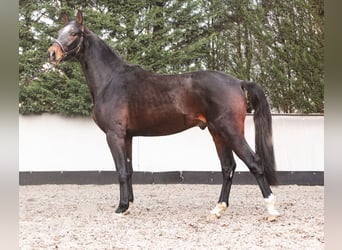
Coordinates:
228	166
227	132
252	160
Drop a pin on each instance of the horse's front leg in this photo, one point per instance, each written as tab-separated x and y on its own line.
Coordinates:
128	145
117	146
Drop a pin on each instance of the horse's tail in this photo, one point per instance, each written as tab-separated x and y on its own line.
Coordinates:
263	130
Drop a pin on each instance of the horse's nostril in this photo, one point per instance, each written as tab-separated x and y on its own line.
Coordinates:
51	55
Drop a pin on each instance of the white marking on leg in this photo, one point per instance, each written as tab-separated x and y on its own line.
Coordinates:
122	214
272	212
219	209
119	214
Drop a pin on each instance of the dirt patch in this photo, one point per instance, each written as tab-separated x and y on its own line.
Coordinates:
168	217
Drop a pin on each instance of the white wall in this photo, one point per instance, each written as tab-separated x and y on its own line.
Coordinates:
55	143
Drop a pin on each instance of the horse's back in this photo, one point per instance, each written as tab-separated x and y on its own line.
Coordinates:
209	93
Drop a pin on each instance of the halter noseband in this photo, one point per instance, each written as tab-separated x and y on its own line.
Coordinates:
77	48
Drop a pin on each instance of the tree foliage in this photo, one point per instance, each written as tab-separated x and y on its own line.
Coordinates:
278	44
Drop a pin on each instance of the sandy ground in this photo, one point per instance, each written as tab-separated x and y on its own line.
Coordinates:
168	217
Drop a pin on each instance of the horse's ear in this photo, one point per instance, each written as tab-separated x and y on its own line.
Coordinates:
79	17
65	18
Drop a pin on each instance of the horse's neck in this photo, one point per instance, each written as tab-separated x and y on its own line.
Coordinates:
99	63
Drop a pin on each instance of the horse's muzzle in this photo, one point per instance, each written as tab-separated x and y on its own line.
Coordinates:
54	54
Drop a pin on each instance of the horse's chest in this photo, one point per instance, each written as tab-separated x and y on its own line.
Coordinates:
110	116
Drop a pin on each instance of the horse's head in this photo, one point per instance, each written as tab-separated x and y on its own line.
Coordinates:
69	41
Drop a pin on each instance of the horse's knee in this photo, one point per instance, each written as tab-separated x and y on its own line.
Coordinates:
123	176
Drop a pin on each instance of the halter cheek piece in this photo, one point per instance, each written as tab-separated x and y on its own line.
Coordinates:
76	49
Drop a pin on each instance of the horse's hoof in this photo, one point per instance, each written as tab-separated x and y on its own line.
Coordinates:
272	212
122	214
271	218
218	211
122	210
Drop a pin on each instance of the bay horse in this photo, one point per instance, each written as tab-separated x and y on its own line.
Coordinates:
130	101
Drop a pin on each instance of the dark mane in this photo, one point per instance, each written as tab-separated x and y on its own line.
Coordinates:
108	49
111	52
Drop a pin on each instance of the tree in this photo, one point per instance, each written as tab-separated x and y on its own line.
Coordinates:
278	44
291	65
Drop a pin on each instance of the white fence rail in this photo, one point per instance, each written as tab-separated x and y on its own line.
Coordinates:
56	143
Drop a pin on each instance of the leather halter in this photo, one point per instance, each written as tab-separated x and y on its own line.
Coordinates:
76	49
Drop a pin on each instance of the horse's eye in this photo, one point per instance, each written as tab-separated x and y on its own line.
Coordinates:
73	33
